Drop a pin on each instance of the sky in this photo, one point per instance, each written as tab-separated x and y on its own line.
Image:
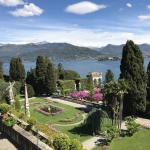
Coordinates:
93	23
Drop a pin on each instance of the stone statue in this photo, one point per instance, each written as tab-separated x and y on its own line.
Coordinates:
11	94
26	105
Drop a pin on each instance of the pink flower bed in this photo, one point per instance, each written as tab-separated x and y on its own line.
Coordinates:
80	94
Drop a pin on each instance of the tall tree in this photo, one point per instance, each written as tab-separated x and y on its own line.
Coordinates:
61	71
50	79
109	76
17	71
1	70
41	70
90	84
132	70
148	74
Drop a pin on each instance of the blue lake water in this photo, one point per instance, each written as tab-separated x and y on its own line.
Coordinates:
84	67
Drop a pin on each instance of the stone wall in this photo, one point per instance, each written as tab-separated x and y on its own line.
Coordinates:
22	139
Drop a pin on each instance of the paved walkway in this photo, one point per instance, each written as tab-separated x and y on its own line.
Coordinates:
66	102
143	122
5	144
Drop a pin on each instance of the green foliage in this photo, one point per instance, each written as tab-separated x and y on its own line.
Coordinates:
17	104
132	70
1	70
111	133
61	71
148	74
31	121
18	86
94	120
9	121
89	83
50	79
132	126
17	71
66	86
61	142
71	75
109	76
75	145
3	86
4	108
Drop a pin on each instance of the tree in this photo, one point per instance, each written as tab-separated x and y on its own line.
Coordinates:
71	75
148	74
90	85
50	79
61	71
1	70
132	70
94	120
40	71
17	104
109	76
17	71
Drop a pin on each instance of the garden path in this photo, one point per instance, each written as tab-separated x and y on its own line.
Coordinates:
66	102
143	122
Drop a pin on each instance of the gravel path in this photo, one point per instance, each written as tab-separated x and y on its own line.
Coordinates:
143	122
66	102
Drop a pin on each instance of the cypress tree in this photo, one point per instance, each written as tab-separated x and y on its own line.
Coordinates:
109	76
90	84
50	79
148	74
17	71
41	70
61	71
1	70
132	70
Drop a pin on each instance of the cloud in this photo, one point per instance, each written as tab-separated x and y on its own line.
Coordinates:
84	7
148	6
129	5
144	17
11	3
28	10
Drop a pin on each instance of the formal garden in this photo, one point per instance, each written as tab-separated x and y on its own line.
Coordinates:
70	110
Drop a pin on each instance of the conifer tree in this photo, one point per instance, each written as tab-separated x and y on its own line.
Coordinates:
132	70
148	82
41	70
1	70
50	79
17	71
61	71
109	76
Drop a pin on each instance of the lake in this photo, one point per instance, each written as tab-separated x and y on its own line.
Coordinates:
84	67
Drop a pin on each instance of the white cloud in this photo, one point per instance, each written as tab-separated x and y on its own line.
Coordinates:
28	10
84	7
129	5
11	3
148	6
144	17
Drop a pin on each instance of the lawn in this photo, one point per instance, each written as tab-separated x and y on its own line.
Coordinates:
139	141
69	112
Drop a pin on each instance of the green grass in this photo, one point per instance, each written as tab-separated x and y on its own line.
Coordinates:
69	112
139	141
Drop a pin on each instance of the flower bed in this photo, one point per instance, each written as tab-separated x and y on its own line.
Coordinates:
49	110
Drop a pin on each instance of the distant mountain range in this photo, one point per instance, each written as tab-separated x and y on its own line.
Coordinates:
61	51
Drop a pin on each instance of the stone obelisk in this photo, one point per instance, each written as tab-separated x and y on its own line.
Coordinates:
27	109
11	94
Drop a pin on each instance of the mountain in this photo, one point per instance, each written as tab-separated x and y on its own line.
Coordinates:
62	51
116	50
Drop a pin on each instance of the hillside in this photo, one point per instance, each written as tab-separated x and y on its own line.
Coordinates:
61	51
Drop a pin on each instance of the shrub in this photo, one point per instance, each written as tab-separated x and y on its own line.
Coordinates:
31	121
17	104
111	133
21	115
9	121
75	145
18	86
61	142
4	108
132	126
